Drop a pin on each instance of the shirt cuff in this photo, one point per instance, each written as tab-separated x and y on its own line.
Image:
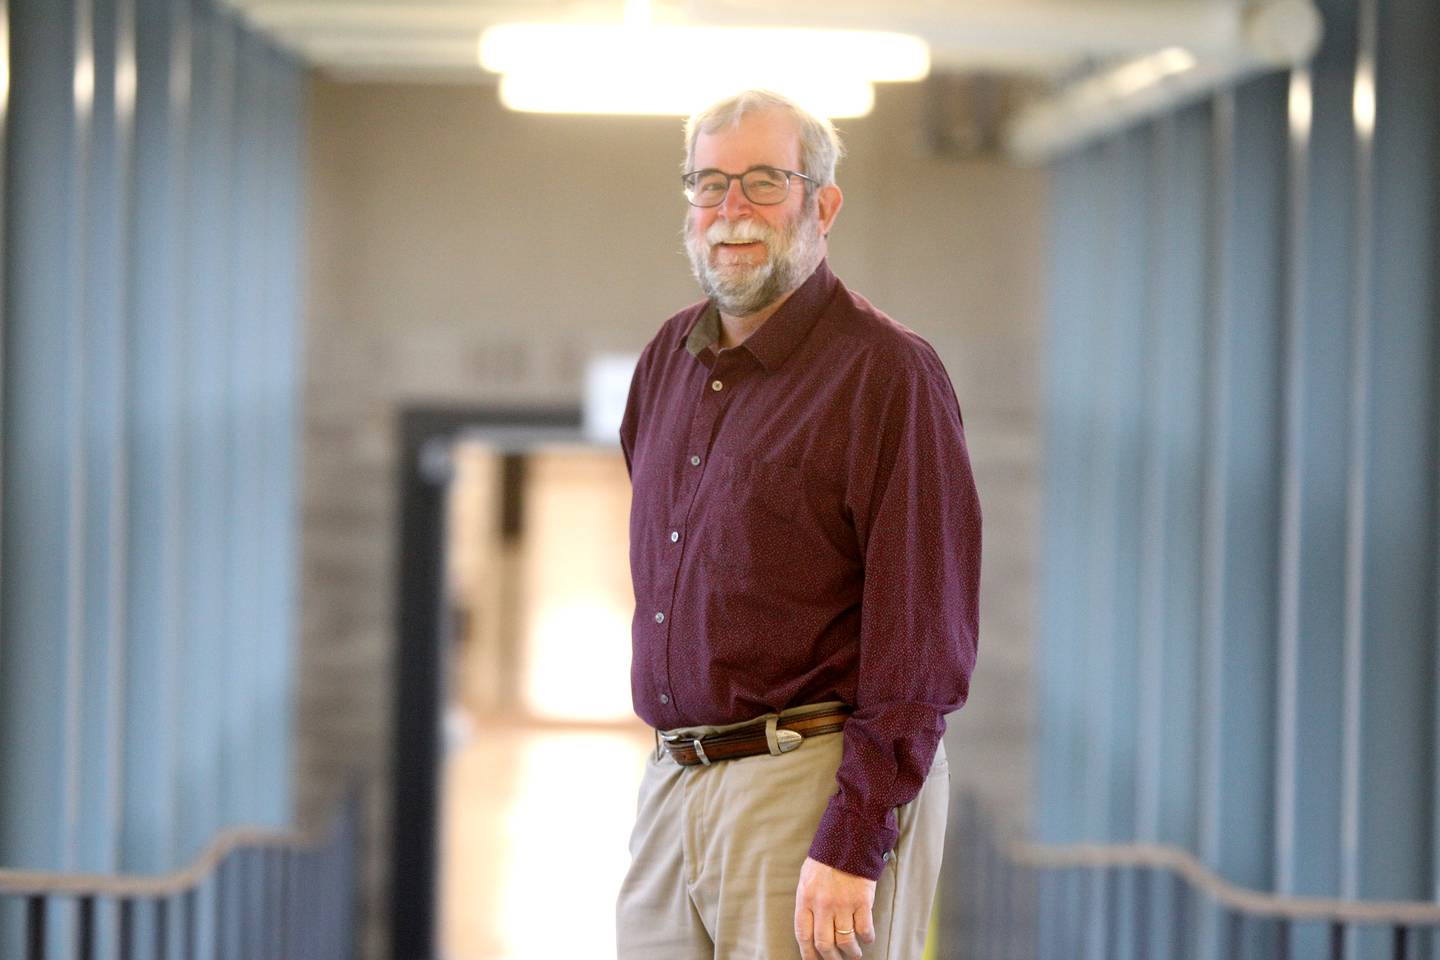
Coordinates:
850	841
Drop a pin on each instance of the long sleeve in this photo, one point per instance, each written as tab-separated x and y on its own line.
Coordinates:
917	521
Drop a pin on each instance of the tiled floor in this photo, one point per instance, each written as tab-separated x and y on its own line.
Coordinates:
536	824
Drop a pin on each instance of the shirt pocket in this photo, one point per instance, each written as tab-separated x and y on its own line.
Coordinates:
771	517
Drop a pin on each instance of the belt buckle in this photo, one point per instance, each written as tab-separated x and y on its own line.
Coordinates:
694	743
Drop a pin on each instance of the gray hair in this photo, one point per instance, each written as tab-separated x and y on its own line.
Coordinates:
820	147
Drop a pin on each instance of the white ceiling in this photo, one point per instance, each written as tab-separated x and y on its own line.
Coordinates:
435	39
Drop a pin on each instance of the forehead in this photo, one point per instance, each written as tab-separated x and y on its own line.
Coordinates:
769	137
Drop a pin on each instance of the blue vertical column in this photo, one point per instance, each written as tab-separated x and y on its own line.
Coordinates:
1063	701
1397	698
5	80
1068	425
1178	411
100	672
1258	250
1126	238
1242	487
282	259
206	436
155	558
244	642
1311	592
9	928
1214	515
81	485
1254	248
1169	506
41	552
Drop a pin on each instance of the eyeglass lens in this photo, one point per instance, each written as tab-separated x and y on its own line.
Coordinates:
762	185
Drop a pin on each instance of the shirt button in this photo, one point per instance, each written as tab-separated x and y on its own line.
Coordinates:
664	698
716	385
674	536
694	460
659	617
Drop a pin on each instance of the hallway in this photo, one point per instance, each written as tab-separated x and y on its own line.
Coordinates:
535	825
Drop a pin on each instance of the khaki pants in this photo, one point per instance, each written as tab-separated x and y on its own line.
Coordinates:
716	855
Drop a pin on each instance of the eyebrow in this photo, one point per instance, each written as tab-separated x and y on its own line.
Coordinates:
754	166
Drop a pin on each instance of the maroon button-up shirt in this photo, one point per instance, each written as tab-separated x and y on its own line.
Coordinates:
804	527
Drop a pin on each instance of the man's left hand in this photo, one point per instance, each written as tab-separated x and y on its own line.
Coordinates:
832	912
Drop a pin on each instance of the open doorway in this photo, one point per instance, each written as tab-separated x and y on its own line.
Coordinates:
517	758
543	753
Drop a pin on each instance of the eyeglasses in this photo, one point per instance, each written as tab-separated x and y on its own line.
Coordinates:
762	185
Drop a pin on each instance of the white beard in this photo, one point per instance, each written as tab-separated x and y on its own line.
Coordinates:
743	289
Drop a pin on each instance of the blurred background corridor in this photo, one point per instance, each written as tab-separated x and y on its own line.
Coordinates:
314	587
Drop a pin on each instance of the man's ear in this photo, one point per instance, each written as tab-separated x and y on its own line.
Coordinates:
829	200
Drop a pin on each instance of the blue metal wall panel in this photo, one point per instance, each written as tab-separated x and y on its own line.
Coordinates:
247	496
1253	247
155	562
100	697
1103	535
1399	625
1307	851
206	439
1169	507
283	259
1180	432
1214	522
1282	510
1100	536
1064	601
42	526
1066	697
150	377
1129	241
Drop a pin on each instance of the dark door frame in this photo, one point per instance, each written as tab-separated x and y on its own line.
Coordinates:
426	436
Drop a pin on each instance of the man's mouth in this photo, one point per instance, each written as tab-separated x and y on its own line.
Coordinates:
731	250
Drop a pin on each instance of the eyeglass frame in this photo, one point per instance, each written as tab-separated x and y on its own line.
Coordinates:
741	177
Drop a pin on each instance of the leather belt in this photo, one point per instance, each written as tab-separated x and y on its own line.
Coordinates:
751	741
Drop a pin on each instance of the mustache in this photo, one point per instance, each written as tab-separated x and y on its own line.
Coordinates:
738	231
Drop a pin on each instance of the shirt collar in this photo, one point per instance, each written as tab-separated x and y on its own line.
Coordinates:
781	333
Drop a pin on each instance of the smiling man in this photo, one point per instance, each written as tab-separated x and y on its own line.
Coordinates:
805	554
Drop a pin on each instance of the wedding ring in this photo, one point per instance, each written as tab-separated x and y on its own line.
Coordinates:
844	933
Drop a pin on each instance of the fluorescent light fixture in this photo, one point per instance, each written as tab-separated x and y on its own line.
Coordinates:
639	68
636	92
1108	101
670	51
1133	77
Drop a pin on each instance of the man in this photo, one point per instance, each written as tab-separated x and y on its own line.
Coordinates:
805	551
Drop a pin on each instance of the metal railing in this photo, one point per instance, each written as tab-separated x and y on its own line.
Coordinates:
253	894
1045	902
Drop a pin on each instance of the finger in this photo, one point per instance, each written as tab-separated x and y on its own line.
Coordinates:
847	940
864	924
805	934
825	938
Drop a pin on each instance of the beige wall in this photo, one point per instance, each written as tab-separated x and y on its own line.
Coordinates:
464	254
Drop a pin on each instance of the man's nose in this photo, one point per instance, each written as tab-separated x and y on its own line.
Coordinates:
735	201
